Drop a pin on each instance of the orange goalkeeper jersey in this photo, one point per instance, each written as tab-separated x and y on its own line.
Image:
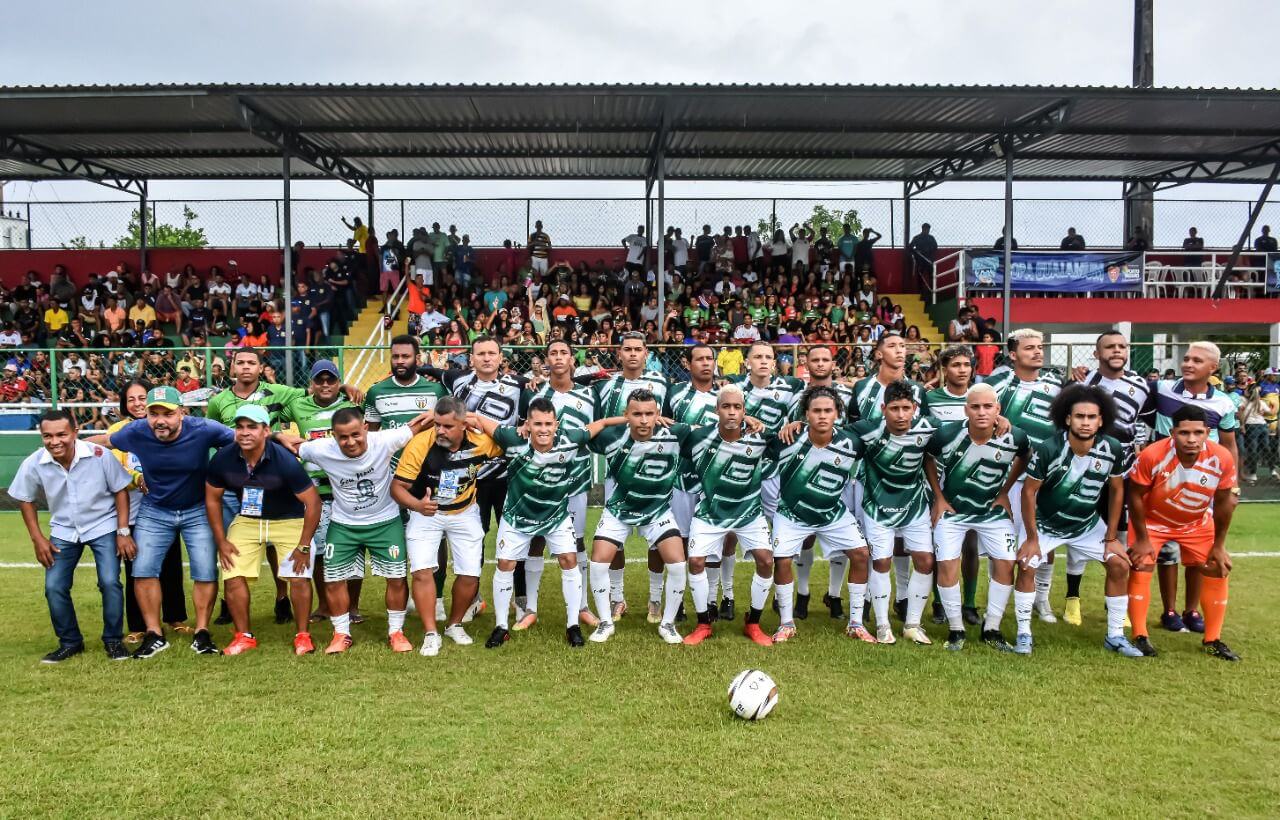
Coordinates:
1179	496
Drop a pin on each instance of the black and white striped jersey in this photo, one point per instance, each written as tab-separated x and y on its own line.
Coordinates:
1130	393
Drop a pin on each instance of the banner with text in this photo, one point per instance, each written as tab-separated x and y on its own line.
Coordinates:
1273	272
1056	272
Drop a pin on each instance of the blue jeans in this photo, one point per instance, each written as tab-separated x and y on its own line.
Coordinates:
230	508
154	533
57	589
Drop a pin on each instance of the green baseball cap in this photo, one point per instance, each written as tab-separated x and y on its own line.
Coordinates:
253	412
164	397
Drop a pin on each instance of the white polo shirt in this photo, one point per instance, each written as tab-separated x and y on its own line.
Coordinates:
81	499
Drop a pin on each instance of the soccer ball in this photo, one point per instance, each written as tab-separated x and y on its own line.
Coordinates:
752	694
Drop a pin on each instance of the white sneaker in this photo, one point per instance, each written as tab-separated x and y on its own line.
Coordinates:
430	645
603	632
458	635
1045	612
477	606
440	616
669	634
916	634
884	634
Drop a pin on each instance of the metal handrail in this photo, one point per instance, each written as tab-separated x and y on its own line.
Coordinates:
378	335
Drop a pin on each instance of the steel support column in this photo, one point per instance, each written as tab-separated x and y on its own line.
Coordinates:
287	264
143	228
662	247
1008	239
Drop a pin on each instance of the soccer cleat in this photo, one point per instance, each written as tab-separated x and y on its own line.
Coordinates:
955	640
669	634
241	643
603	632
993	639
619	609
756	634
774	604
134	638
224	614
655	613
1193	620
884	634
1218	649
341	643
1144	646
699	634
202	644
802	607
727	612
398	642
916	635
1172	622
115	651
785	633
152	644
440	616
356	617
585	616
573	635
476	608
900	609
1044	612
939	614
1023	644
497	638
1071	612
530	618
431	644
713	610
284	611
859	632
62	653
1120	645
971	616
458	635
680	616
302	644
835	606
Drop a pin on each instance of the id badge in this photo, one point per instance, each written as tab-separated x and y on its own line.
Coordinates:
251	504
448	489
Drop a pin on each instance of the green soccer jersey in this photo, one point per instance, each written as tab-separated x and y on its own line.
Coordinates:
1026	404
972	475
611	393
1067	502
894	489
644	472
730	473
575	409
868	399
539	484
812	478
314	422
774	403
223	406
391	404
694	407
945	406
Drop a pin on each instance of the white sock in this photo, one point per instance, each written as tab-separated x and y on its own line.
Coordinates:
951	605
584	584
1044	581
997	600
759	591
1117	608
919	588
341	623
503	584
395	620
879	586
532	580
804	565
713	581
571	588
1022	604
857	600
676	574
838	569
655	586
726	574
615	588
699	586
782	593
601	582
901	576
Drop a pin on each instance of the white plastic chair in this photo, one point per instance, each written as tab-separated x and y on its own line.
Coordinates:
1152	276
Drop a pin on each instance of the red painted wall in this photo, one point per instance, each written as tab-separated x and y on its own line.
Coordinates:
1040	311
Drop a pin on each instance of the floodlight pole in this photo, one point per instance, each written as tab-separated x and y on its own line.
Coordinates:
143	229
662	246
1008	236
287	266
908	254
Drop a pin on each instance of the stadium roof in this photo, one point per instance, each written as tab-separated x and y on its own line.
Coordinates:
921	135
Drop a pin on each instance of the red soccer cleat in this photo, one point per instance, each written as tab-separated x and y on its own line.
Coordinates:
302	644
756	634
241	643
398	642
699	634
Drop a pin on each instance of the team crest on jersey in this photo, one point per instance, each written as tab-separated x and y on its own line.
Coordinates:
998	456
1097	465
394	551
919	440
421	402
1204	479
837	461
561	458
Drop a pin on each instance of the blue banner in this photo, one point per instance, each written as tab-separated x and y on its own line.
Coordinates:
1063	272
1273	272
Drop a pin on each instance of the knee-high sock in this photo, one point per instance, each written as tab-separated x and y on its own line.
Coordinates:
1044	582
1117	608
341	623
901	576
759	591
675	590
615	588
1022	604
857	599
600	586
395	620
503	587
700	587
726	574
1213	599
951	605
784	595
584	585
918	589
713	581
1139	601
838	569
997	600
804	565
655	585
879	585
571	587
532	581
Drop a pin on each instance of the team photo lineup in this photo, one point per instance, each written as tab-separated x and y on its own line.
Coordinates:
902	490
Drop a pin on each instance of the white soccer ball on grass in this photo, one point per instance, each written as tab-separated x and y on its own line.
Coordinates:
752	694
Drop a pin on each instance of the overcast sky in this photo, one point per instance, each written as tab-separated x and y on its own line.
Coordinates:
1225	43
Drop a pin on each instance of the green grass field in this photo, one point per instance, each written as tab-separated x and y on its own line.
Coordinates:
637	727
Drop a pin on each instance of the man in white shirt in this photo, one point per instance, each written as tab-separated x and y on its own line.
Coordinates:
432	320
747	332
680	252
637	247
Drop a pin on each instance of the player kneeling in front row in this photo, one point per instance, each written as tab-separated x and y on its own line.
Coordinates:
1182	490
1065	478
971	469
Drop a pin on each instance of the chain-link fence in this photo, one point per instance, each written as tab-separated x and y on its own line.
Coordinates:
603	222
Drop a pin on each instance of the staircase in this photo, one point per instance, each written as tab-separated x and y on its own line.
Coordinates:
372	366
915	313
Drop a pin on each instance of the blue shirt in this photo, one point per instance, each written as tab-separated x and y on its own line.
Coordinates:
82	500
175	470
463	257
278	474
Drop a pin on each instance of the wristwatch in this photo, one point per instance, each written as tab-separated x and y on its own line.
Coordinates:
304	548
124	532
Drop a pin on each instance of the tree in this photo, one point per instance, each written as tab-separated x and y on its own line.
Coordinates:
78	243
833	220
164	235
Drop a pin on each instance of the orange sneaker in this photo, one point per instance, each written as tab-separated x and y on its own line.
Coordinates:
756	634
699	634
302	644
340	643
530	618
399	643
584	615
241	643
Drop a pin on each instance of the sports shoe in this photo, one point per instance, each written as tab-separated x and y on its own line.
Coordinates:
440	616
477	607
681	617
939	614
573	635
884	634
1044	612
993	639
1172	622
1144	646
115	651
1071	613
1023	644
603	632
727	612
356	617
756	634
302	644
669	634
1218	649
587	617
241	643
497	638
224	614
618	610
1193	620
530	618
431	644
955	640
202	644
1120	644
900	609
802	607
971	616
134	638
341	643
180	626
858	631
916	635
62	653
152	645
284	611
458	635
655	613
713	610
699	634
785	633
398	642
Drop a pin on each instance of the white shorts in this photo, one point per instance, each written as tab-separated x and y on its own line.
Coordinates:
840	536
996	539
707	540
770	489
916	534
513	545
466	540
683	505
578	514
538	264
852	496
425	274
609	528
1089	546
1015	502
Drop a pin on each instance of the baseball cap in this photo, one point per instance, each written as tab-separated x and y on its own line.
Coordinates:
164	397
325	366
253	412
1270	371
